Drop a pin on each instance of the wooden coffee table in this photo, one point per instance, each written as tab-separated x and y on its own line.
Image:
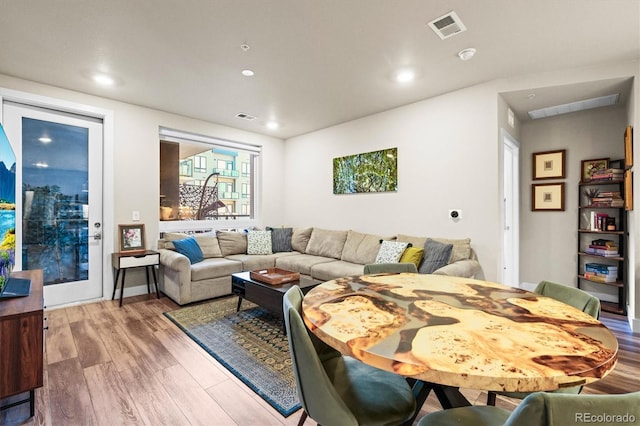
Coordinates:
266	295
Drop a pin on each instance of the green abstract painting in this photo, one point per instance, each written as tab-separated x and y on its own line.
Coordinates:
375	171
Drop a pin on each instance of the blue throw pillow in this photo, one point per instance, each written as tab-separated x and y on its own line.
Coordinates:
190	248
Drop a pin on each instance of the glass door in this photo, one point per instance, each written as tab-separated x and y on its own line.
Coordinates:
59	178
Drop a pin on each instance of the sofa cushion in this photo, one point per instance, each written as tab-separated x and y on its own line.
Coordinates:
361	248
214	268
413	255
326	243
461	248
259	242
209	245
280	239
232	242
189	247
390	251
251	262
436	255
167	240
336	269
300	239
301	262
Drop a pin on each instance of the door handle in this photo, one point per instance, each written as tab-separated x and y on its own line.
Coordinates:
96	236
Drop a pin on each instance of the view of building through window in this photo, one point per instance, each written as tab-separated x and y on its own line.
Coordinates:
205	182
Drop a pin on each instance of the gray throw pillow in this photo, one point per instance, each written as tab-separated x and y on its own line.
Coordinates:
280	239
436	255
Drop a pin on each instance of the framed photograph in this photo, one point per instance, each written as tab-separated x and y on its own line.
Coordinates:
547	197
131	238
589	167
549	165
628	147
628	190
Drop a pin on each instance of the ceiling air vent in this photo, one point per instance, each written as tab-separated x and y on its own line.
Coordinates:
447	25
245	116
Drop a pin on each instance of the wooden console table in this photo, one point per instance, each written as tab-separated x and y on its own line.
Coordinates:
21	342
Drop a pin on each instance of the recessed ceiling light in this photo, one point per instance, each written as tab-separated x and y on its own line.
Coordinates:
405	76
272	125
466	54
103	80
247	73
45	139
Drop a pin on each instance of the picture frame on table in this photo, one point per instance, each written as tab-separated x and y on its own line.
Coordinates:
628	147
549	164
131	238
547	196
589	167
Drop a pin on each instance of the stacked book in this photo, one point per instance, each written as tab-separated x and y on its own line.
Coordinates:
601	247
608	174
607	199
600	272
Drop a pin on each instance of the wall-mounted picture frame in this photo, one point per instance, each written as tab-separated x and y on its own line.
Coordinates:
628	147
589	167
375	171
628	190
131	238
547	197
549	164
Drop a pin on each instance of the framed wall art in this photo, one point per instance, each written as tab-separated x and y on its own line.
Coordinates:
589	167
628	190
628	147
549	165
131	238
547	197
375	171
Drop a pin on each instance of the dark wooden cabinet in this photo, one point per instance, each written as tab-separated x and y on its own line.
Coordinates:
21	340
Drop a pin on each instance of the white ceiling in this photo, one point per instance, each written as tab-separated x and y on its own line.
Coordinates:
316	63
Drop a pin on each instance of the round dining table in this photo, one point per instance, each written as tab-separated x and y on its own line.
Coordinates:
460	332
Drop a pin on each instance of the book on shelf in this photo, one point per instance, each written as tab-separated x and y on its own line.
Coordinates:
602	267
599	278
609	174
602	252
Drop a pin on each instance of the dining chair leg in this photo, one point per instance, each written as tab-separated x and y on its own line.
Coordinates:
303	417
491	398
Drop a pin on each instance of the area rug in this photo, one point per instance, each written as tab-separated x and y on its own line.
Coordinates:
251	344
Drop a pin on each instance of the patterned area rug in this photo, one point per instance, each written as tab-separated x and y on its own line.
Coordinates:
251	344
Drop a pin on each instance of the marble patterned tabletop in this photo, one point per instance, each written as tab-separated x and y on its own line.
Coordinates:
460	332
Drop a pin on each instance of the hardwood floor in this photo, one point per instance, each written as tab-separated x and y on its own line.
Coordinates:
130	365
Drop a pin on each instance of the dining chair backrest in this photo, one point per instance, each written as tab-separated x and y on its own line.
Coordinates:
315	390
559	409
380	268
545	409
573	296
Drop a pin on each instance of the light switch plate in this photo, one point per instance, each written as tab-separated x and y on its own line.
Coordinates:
135	215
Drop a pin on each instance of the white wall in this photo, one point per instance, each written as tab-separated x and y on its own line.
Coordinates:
447	158
136	159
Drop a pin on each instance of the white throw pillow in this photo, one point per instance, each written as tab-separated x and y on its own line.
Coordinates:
391	251
259	242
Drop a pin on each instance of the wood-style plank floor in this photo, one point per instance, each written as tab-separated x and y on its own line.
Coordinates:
106	365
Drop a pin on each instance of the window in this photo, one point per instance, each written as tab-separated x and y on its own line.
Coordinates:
188	191
200	163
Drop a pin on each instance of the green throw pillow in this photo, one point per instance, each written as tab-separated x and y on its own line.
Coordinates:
412	255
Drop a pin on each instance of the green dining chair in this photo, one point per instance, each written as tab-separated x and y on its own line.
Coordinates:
545	409
572	296
339	390
380	268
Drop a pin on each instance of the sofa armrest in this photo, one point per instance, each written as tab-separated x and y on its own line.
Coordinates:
174	260
462	268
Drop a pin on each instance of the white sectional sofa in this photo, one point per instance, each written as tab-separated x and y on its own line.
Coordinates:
320	254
